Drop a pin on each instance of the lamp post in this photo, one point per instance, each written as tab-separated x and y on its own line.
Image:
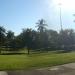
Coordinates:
60	16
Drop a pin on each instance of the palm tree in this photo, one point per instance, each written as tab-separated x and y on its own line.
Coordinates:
41	28
41	25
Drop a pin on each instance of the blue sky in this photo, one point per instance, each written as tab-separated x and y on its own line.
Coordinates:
18	14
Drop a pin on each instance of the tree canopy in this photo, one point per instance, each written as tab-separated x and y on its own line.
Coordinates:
40	39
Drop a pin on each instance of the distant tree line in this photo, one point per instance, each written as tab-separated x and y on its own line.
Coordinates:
42	39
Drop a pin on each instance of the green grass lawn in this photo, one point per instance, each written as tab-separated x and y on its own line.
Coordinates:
13	62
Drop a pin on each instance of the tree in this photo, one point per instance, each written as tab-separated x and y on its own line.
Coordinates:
42	29
34	38
67	39
41	25
52	39
10	37
2	35
28	39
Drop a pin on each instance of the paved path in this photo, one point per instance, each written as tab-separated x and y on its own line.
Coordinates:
67	69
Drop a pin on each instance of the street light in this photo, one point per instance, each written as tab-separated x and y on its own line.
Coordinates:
60	16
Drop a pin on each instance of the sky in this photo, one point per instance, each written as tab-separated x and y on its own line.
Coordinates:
18	14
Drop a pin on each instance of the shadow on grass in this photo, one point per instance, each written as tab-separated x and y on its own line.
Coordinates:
13	53
38	52
64	51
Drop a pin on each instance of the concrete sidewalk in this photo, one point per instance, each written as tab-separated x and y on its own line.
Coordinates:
66	69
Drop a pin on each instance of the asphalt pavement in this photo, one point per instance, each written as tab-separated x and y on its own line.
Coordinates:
66	69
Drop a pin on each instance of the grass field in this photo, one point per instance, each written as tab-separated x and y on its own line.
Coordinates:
23	62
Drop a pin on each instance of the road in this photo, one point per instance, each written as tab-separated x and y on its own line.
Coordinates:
66	69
